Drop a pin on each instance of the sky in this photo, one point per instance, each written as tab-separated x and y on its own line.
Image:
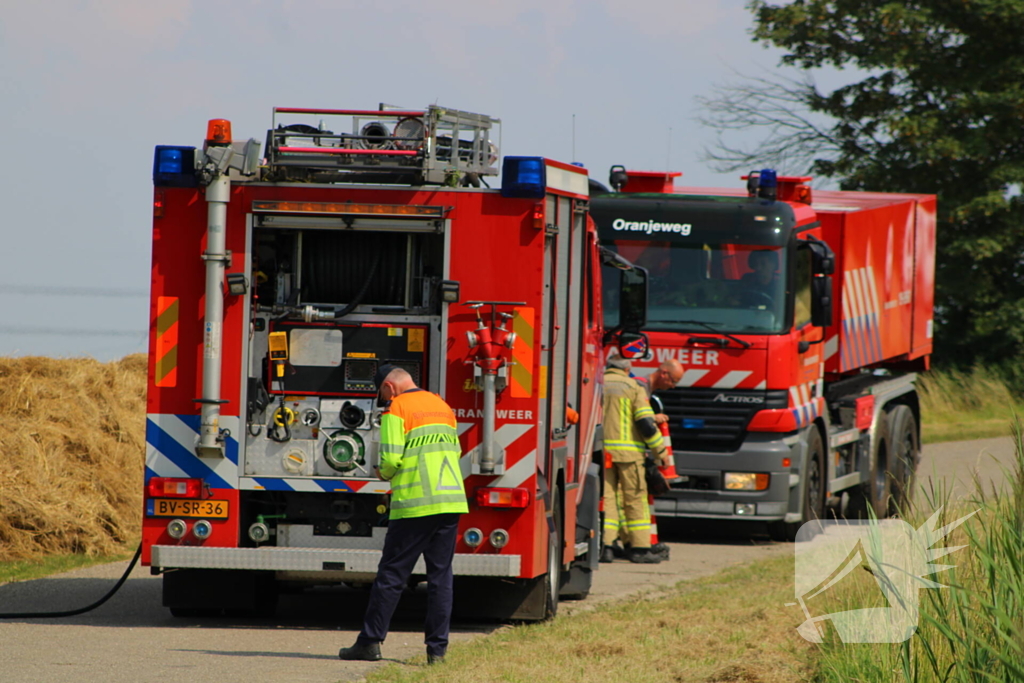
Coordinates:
90	87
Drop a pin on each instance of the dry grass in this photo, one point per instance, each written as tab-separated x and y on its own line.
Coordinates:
73	449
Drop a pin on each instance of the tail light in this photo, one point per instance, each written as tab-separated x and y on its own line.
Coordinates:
502	498
170	487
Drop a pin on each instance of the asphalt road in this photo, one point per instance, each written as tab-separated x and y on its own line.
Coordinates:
132	639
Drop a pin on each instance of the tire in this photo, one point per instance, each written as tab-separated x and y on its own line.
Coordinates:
553	579
904	452
872	498
812	484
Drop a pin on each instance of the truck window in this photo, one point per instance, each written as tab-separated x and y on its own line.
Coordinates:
736	288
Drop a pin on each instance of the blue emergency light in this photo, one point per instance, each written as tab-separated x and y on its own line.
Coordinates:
692	423
174	166
767	184
524	177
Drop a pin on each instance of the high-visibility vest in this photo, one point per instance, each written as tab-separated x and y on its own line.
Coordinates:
625	402
419	454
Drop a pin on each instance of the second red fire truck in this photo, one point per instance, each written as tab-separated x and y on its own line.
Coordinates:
284	277
800	320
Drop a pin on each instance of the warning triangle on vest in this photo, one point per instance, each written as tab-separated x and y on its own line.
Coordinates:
455	480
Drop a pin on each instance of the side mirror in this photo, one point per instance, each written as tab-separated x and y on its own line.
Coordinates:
633	299
632	345
821	301
823	260
624	288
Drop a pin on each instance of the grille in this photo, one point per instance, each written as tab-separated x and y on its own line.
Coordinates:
725	420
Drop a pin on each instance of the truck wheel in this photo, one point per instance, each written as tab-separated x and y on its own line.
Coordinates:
553	580
875	492
904	454
813	483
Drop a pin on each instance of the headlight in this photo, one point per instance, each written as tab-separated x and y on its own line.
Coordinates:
746	481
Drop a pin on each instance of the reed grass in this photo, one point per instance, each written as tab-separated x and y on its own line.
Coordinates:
973	629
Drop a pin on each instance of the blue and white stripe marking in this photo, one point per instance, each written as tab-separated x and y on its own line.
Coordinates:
861	309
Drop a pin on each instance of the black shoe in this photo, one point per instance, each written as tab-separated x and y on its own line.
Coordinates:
661	550
365	652
619	550
434	659
607	555
644	556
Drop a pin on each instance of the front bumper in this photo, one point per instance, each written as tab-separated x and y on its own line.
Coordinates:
760	452
340	564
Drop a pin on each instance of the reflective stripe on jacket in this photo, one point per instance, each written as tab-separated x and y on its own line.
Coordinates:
625	402
419	454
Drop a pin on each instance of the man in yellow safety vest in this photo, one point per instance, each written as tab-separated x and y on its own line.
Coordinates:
419	455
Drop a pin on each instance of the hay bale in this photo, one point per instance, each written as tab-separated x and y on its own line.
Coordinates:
72	454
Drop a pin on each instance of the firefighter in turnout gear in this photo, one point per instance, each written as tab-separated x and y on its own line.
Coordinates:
419	455
629	431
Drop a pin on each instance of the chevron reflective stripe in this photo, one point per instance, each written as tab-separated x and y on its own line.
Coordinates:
170	450
313	485
732	379
165	367
862	309
803	407
521	384
691	377
875	311
516	472
717	377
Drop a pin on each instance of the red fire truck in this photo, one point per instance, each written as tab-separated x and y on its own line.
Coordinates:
282	279
799	319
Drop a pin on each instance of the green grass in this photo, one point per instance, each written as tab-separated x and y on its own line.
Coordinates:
25	570
729	627
958	405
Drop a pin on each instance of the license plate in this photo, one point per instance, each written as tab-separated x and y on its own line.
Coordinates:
163	507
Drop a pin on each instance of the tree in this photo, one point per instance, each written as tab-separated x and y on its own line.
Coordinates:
941	111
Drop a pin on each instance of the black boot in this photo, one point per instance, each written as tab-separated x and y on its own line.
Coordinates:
661	550
365	652
435	659
644	556
607	555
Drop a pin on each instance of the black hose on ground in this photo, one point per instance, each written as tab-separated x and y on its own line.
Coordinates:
81	610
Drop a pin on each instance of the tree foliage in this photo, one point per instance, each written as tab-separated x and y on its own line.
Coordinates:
940	110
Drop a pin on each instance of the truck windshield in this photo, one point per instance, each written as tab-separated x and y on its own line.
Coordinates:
737	288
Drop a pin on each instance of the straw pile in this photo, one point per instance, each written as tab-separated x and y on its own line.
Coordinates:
72	450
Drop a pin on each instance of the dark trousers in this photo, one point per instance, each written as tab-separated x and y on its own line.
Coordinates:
433	537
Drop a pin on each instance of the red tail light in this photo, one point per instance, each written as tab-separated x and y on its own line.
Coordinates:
538	216
168	487
502	498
